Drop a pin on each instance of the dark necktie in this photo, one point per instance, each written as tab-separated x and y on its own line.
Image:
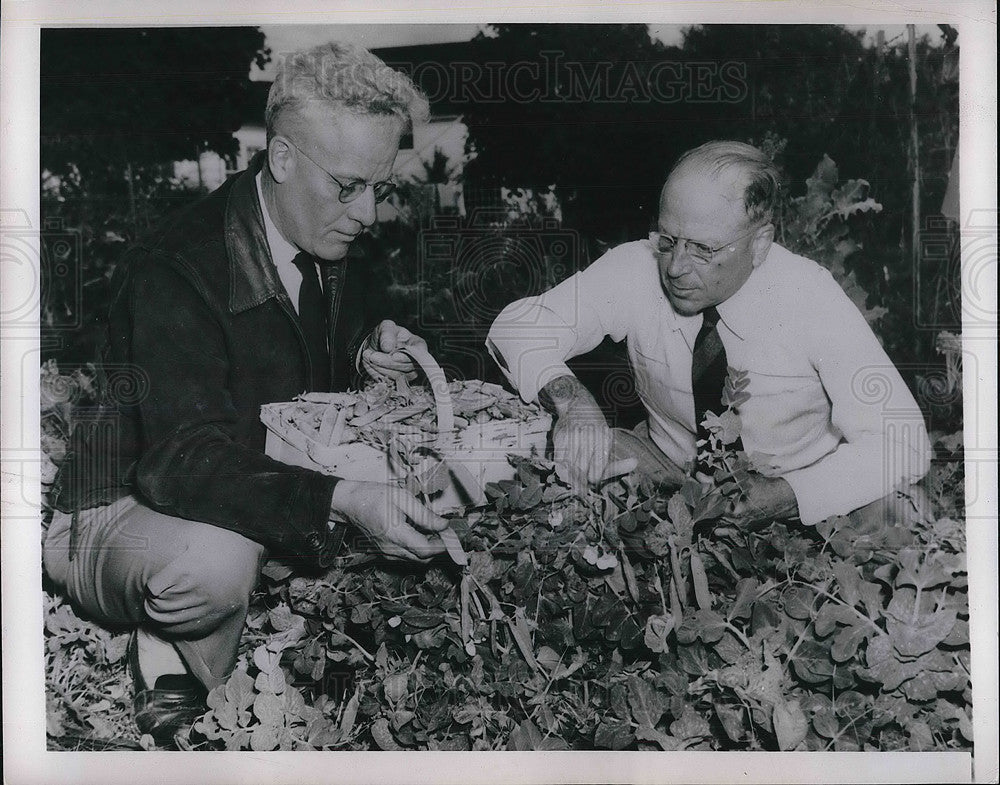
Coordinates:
708	372
312	315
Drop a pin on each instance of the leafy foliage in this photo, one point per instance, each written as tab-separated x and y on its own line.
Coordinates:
87	701
618	621
815	225
621	620
117	107
612	622
143	95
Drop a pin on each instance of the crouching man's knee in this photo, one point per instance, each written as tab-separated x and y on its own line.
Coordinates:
205	585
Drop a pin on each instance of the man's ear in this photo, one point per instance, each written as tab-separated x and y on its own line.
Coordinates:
279	158
762	239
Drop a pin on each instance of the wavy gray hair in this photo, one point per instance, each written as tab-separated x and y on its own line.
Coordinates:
762	189
343	75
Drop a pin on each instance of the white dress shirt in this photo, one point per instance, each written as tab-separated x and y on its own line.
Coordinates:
828	411
282	253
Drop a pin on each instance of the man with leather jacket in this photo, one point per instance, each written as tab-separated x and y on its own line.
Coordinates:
167	502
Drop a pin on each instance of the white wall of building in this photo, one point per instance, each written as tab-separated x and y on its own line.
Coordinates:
447	134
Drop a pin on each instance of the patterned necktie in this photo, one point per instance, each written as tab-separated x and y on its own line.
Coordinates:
708	372
312	315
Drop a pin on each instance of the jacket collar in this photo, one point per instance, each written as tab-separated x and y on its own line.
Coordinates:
252	274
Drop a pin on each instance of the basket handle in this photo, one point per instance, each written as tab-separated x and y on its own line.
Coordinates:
439	386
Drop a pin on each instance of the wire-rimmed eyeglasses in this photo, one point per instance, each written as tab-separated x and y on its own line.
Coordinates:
351	190
700	252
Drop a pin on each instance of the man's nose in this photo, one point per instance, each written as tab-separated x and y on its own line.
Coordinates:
363	208
679	262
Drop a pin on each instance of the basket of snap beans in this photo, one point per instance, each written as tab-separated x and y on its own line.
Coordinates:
442	440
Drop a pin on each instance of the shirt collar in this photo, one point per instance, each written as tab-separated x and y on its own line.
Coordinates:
282	251
740	310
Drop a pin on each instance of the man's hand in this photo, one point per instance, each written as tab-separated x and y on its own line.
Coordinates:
767	499
381	511
581	438
381	357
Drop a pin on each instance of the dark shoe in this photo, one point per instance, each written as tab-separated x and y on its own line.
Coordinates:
172	704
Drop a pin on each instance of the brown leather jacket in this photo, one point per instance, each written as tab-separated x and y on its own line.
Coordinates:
201	334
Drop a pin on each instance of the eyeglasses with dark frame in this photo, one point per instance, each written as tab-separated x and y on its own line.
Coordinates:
701	253
353	189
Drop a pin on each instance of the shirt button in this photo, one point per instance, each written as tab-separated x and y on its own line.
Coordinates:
313	540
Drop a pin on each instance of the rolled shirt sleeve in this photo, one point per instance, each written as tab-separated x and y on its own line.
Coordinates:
829	411
885	444
532	338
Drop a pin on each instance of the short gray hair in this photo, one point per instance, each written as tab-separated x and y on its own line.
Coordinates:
347	76
762	189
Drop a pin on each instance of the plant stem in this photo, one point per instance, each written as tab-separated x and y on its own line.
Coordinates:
364	653
659	588
675	569
839	601
739	634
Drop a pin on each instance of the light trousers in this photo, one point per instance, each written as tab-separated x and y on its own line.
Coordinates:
184	581
899	508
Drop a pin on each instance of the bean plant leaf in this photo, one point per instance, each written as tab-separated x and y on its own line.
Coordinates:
525	736
275	570
383	736
920	572
647	704
239	689
265	659
394	687
613	734
790	724
812	662
666	742
711	506
913	639
269	710
732	720
798	602
657	629
690	725
848	581
707	625
746	594
270	681
264	738
726	426
846	642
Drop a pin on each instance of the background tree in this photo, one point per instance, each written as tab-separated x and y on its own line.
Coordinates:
604	126
117	107
576	115
824	91
113	98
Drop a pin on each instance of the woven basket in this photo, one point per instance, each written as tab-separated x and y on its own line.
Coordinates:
472	455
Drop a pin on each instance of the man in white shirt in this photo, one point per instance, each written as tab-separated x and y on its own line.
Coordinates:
829	425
